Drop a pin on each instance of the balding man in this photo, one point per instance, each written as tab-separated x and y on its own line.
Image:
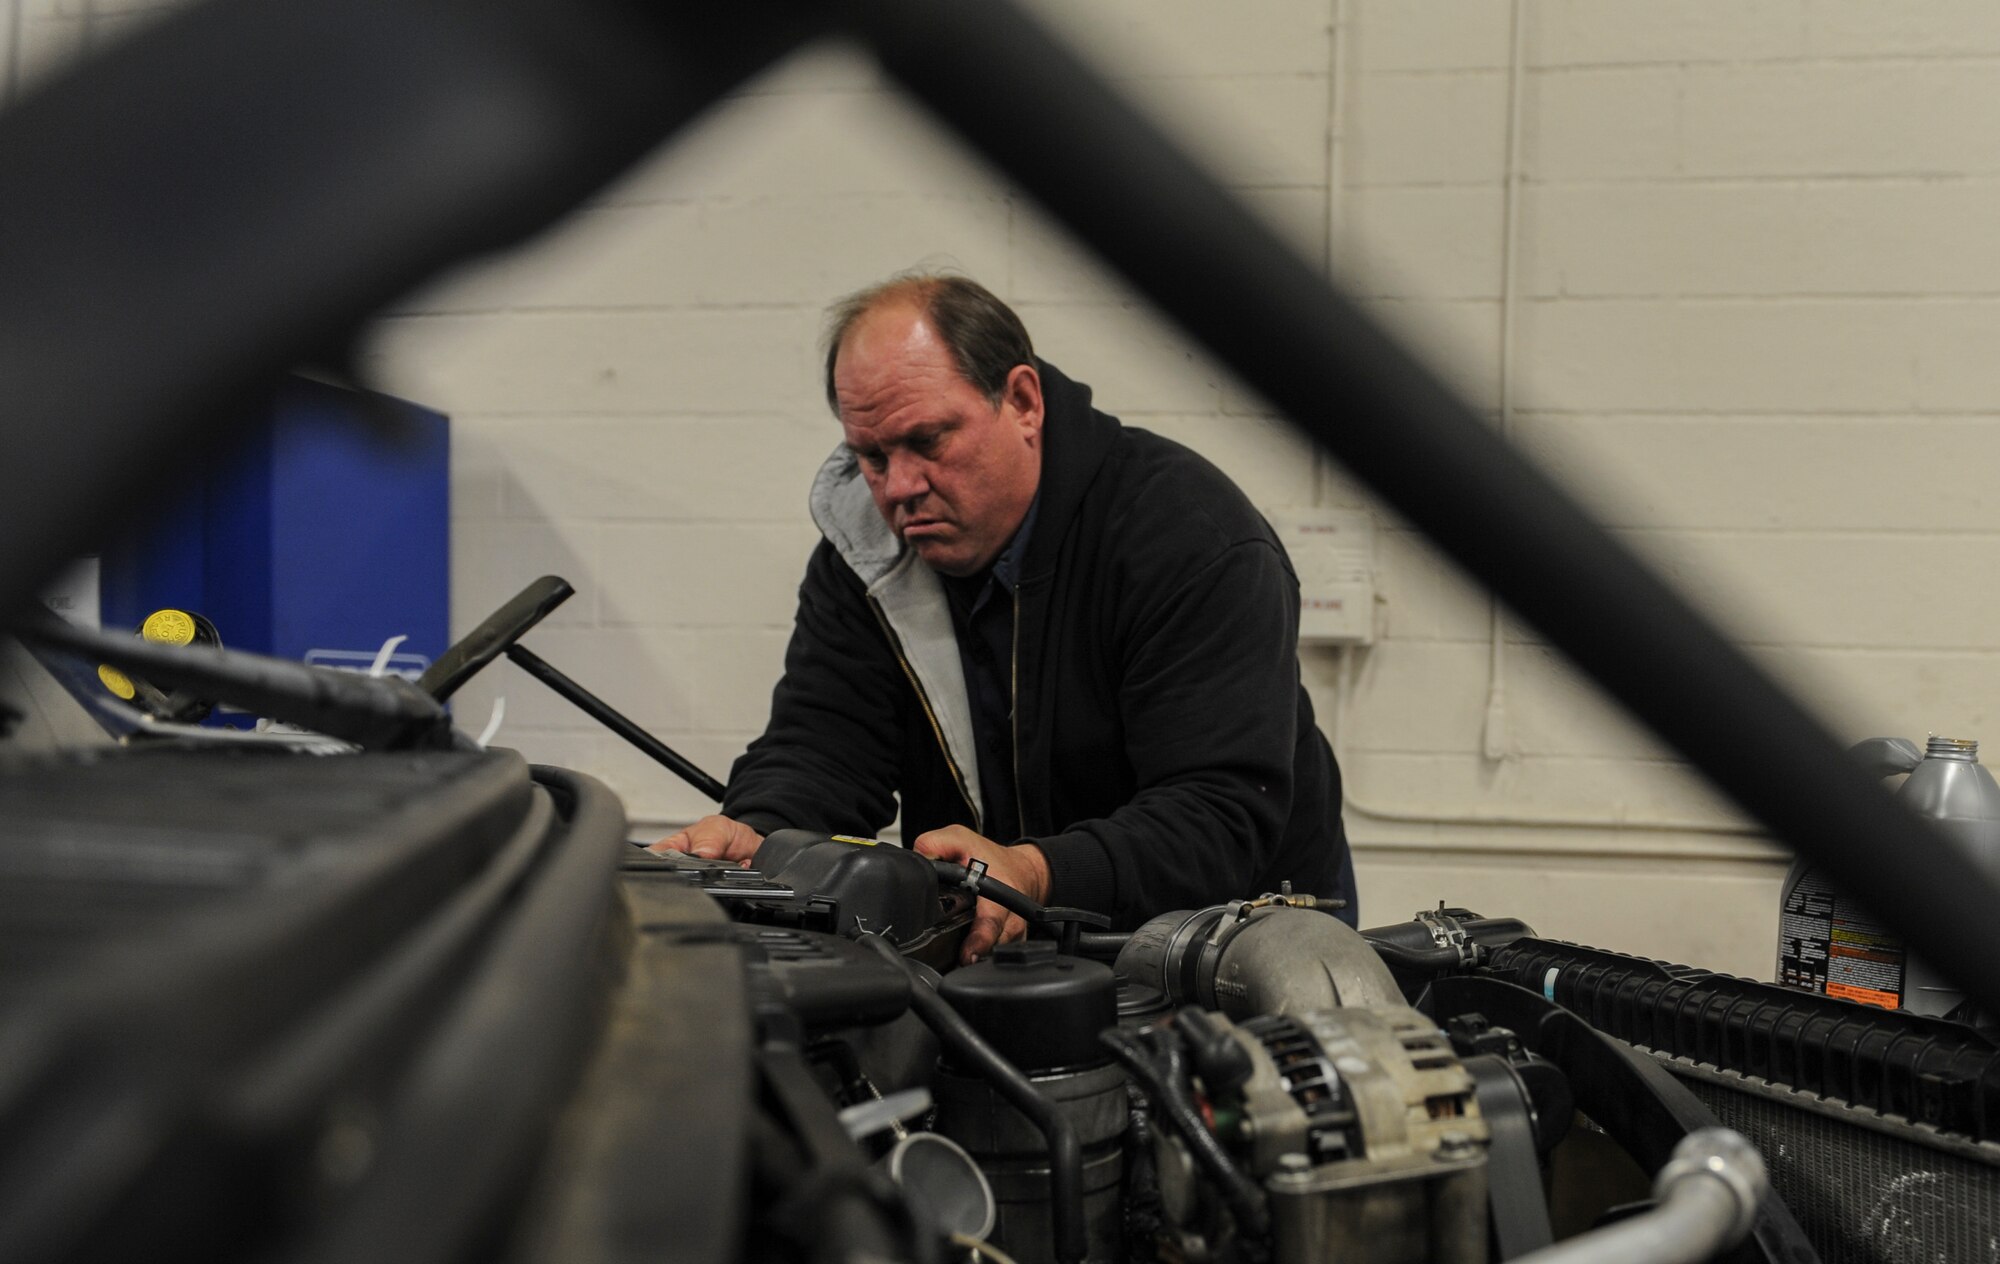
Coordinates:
1069	646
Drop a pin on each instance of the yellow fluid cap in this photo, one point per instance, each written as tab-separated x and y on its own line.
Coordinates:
118	682
858	842
169	627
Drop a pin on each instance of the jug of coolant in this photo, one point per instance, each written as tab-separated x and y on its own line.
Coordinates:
1832	946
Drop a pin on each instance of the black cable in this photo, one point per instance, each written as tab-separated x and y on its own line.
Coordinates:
1166	1086
1072	1238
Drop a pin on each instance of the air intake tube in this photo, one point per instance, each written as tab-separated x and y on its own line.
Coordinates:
1278	954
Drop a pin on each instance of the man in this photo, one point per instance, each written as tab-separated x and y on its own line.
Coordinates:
1067	645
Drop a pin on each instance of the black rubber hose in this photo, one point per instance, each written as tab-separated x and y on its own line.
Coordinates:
1167	1087
1412	935
1490	933
1102	944
1067	924
987	887
1065	1151
1436	957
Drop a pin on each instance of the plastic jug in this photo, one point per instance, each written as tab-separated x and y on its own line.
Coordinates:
1828	944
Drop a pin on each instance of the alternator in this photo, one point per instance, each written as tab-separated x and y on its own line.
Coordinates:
1361	1125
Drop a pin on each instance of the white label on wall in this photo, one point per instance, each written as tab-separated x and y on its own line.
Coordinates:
1333	551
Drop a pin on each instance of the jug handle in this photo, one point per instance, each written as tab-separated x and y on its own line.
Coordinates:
1887	756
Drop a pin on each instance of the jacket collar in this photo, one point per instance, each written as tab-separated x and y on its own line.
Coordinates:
1076	438
846	515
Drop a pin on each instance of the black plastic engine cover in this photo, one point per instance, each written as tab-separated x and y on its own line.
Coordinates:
879	888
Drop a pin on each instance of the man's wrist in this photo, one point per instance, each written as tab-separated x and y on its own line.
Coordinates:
1088	878
1036	866
763	822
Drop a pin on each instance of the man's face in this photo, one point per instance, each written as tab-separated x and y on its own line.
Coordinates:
951	473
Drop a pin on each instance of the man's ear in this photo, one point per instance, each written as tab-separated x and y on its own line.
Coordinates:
1022	398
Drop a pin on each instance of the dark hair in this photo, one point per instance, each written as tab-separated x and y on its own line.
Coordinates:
984	335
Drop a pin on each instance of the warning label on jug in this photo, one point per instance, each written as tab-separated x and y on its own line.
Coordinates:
1830	945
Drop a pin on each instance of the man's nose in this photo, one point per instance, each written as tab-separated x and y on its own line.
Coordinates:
905	478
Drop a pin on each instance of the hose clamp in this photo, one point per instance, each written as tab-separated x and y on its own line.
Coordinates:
1447	933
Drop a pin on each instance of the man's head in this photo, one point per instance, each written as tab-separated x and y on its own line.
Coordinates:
934	382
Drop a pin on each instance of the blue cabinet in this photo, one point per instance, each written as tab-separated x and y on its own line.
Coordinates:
326	533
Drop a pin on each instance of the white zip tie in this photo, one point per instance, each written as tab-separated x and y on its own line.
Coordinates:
493	722
383	655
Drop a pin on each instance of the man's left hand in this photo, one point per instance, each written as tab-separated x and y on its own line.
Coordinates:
1021	866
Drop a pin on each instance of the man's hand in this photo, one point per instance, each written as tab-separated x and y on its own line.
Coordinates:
1021	866
714	837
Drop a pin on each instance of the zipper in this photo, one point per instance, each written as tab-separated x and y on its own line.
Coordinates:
923	699
1014	715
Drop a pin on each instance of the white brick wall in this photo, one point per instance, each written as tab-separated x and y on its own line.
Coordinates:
1758	285
1756	289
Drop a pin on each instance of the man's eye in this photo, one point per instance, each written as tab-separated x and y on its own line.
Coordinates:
873	460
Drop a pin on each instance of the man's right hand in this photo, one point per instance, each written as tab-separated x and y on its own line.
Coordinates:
714	837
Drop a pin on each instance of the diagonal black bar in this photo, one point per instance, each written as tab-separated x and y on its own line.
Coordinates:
1052	125
597	709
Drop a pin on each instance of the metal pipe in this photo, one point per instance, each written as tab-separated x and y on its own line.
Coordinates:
1072	1242
1496	737
1706	1201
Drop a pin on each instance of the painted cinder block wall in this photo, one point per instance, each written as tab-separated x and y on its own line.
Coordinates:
1756	292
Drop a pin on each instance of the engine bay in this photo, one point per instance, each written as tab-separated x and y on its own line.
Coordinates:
391	995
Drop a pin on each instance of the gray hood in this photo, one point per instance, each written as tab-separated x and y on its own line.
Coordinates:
911	599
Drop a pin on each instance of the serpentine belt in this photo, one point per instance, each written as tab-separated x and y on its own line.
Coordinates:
1513	1169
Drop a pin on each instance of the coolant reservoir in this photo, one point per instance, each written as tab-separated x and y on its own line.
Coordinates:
1829	944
